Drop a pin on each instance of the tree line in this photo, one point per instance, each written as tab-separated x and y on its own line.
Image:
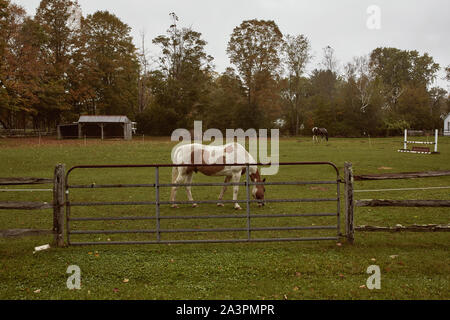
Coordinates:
59	64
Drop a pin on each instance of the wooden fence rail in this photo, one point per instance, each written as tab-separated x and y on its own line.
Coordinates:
404	175
57	205
351	203
400	228
25	205
23	181
402	203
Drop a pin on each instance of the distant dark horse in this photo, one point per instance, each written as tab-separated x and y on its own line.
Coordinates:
319	132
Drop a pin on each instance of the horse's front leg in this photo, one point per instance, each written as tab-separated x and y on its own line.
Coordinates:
235	179
227	180
188	190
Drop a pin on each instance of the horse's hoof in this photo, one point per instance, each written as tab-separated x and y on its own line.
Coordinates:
220	205
194	205
174	206
237	208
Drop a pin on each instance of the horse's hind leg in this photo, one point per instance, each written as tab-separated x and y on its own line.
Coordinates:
176	178
227	180
188	189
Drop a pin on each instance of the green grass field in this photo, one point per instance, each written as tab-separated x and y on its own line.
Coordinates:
413	265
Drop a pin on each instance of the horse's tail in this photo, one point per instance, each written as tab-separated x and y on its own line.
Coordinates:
326	135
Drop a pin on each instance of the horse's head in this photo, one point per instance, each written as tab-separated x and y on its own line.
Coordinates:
259	189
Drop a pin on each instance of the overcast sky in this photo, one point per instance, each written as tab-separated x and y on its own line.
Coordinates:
423	25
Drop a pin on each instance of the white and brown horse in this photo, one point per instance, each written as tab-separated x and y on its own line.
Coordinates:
232	153
319	132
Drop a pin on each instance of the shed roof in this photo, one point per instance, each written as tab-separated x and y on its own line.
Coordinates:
104	119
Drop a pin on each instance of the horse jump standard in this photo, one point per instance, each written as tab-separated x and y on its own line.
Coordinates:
420	150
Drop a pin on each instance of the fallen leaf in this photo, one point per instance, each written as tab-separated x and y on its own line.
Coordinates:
363	286
393	256
339	244
373	259
285	297
298	274
341	275
115	290
295	289
384	168
37	291
126	280
89	252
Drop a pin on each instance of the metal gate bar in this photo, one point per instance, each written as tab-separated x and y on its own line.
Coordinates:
141	203
248	216
203	241
203	230
234	216
228	184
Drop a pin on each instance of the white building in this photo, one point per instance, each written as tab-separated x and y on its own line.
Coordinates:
447	125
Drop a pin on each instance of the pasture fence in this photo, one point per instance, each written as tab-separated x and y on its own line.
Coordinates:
57	204
351	203
62	206
157	203
20	133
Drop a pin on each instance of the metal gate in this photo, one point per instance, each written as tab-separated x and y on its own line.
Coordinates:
248	215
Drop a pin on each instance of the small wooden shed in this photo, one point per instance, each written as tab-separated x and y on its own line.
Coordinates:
105	127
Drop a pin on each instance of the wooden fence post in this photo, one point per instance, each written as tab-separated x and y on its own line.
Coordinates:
349	202
58	204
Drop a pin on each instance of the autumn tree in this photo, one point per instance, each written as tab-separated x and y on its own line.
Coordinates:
107	65
185	69
59	20
395	68
329	61
5	104
296	55
227	98
254	48
359	75
21	69
145	95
